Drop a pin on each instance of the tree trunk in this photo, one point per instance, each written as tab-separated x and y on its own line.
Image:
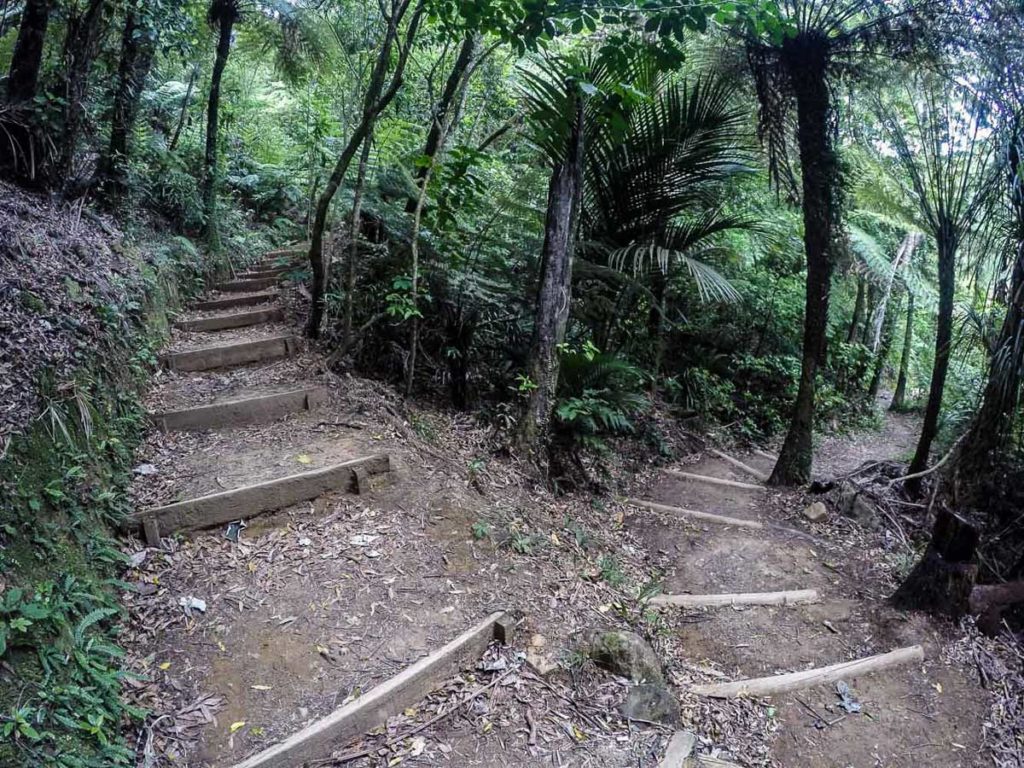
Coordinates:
23	76
943	579
903	257
947	244
554	294
138	46
977	464
82	41
184	107
886	334
210	166
656	325
449	103
899	399
858	310
353	250
806	61
414	325
375	101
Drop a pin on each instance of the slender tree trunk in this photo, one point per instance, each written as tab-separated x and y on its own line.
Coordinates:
375	101
899	399
858	310
184	107
82	41
656	325
414	325
903	257
885	340
976	467
870	304
806	61
23	75
554	295
353	250
947	245
210	174
449	103
138	46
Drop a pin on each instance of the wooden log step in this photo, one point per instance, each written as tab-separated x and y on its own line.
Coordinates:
247	410
226	355
292	250
390	698
229	302
679	754
791	597
754	473
795	681
263	273
706	479
251	500
244	286
695	514
235	320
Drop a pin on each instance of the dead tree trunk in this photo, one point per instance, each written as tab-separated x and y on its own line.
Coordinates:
942	581
184	108
554	293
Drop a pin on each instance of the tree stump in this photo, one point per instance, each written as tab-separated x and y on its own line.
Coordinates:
941	583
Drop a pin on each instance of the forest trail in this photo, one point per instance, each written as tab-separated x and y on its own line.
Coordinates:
921	713
253	626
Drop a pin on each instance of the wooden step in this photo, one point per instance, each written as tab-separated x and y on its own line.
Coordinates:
292	250
795	681
708	480
236	320
707	517
374	707
264	273
227	355
228	302
791	597
746	468
244	286
249	501
248	410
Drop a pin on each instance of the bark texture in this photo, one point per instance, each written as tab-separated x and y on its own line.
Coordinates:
942	581
806	60
554	293
23	75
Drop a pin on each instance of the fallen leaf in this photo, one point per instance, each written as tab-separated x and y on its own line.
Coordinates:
165	665
261	687
235	726
303	458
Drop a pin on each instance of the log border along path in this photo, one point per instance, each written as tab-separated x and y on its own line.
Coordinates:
772	684
256	498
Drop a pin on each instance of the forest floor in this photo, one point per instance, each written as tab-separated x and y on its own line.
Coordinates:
316	604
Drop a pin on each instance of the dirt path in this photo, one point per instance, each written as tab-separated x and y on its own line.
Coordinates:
924	714
313	605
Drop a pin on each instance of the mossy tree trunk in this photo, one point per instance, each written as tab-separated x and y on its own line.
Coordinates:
899	398
225	20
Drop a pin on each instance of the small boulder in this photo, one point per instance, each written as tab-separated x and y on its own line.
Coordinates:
625	654
816	512
652	702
